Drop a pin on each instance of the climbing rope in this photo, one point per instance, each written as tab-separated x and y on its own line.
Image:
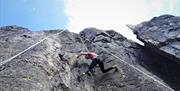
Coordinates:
89	88
130	65
83	43
8	60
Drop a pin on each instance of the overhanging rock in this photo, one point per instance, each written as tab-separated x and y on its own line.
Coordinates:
162	34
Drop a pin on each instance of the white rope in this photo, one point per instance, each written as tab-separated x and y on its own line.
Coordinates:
8	60
88	88
134	67
83	43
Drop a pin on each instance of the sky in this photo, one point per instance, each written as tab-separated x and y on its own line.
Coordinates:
33	14
75	15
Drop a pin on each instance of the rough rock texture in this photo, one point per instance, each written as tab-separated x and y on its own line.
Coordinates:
128	79
166	69
162	34
45	67
161	54
41	68
14	39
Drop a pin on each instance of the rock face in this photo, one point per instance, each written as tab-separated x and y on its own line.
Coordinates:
113	49
162	34
40	61
161	54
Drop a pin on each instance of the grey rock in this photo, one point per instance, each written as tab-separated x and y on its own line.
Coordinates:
161	34
45	66
14	28
128	79
15	39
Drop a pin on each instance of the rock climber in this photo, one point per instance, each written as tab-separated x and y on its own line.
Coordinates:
95	60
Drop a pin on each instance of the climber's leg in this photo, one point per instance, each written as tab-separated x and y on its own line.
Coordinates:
101	65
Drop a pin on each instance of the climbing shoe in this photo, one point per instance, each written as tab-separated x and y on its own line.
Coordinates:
116	68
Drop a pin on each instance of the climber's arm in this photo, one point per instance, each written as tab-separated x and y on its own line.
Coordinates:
82	53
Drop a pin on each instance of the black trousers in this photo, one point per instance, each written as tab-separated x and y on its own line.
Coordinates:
101	65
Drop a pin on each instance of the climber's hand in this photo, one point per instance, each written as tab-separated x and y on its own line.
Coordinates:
79	54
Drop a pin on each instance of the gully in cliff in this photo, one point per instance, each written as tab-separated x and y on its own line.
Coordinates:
95	60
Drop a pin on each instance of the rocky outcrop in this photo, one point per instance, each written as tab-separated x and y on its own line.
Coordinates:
45	65
162	47
162	34
40	68
13	28
115	49
14	39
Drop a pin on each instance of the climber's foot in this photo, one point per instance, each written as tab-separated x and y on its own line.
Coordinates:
116	68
